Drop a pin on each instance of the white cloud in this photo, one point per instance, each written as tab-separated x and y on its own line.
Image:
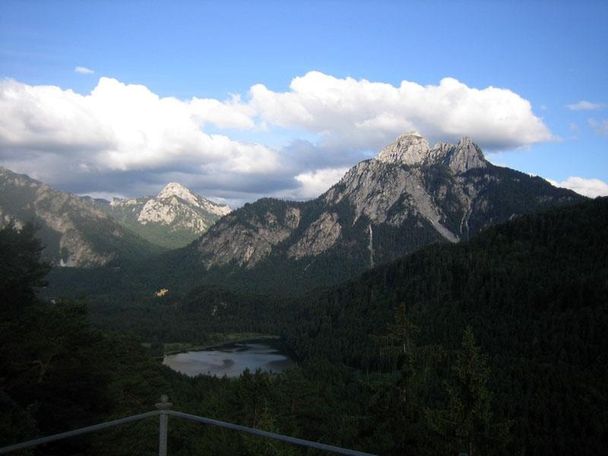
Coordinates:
600	126
125	127
584	105
362	114
230	114
83	70
582	186
124	138
314	183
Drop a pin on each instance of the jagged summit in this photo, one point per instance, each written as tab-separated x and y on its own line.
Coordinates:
410	196
175	189
171	219
178	190
465	155
413	149
410	148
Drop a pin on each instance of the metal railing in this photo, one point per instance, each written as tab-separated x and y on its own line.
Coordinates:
164	411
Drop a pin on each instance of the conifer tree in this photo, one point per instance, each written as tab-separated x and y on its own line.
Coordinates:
466	422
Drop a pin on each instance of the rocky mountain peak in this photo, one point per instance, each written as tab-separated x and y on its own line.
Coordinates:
413	149
171	219
410	148
464	156
175	189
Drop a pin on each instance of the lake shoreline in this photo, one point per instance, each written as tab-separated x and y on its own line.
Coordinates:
252	337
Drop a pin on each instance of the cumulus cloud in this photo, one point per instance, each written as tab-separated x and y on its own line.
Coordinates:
362	114
125	139
585	105
123	127
83	70
582	186
599	126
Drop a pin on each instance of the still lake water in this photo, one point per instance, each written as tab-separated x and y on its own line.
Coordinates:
230	360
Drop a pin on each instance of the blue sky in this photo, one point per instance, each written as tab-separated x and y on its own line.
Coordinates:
551	54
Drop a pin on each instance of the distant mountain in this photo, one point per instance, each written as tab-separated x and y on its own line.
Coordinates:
75	232
409	196
173	218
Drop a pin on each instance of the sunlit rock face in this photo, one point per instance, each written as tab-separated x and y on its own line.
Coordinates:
244	238
410	149
173	218
413	150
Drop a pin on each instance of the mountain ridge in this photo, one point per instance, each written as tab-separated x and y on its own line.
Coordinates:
383	208
80	231
379	211
405	180
75	232
173	218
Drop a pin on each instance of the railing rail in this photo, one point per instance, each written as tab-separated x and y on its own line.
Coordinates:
75	432
164	411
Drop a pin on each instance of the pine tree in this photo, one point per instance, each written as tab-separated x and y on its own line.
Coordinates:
466	422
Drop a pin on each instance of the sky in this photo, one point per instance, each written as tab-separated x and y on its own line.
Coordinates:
239	100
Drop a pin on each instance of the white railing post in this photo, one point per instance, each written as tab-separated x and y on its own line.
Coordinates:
163	405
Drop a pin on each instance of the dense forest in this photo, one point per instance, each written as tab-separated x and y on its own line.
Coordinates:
492	346
533	291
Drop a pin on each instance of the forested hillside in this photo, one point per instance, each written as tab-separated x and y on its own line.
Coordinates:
492	346
533	291
74	232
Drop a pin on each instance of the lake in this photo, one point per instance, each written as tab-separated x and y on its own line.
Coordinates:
230	360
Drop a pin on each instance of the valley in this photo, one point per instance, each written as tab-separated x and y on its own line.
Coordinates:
238	228
439	295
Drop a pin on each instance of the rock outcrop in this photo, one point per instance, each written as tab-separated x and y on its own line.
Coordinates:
413	150
245	238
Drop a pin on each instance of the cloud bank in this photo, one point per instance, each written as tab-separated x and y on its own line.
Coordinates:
363	114
125	139
122	128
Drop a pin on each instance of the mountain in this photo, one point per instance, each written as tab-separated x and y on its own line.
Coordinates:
173	218
409	196
74	231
